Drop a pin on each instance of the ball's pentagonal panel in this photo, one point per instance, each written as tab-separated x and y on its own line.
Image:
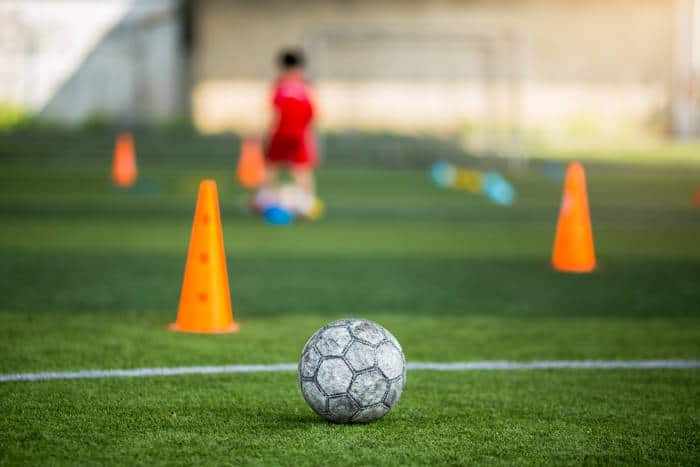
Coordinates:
314	397
309	362
390	360
360	356
332	341
367	331
369	388
334	376
341	409
371	413
394	393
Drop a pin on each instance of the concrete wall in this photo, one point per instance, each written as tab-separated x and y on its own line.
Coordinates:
437	65
70	60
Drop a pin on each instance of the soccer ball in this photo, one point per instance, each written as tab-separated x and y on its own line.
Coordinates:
288	198
352	370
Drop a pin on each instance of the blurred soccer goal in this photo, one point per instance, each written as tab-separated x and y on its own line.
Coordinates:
465	86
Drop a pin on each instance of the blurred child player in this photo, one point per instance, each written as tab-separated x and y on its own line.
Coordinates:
291	143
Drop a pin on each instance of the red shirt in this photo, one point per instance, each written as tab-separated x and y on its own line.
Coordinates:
293	107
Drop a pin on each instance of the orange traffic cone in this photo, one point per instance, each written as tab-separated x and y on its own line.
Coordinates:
696	198
205	301
573	245
124	171
251	164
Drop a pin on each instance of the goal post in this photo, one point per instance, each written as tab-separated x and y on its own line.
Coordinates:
466	86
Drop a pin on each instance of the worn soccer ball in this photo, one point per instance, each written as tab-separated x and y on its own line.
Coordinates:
352	370
289	199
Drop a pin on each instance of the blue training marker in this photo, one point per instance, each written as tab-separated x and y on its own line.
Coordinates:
498	190
443	174
277	215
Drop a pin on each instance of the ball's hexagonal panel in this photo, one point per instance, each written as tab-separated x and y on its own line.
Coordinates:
394	393
314	397
332	341
367	331
369	414
309	362
369	388
393	339
341	409
360	356
334	376
390	360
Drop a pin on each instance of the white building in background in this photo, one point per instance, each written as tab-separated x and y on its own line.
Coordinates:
408	66
71	60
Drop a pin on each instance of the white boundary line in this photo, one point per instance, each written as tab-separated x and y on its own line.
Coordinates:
429	366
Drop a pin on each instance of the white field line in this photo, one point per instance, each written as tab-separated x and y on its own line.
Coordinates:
425	366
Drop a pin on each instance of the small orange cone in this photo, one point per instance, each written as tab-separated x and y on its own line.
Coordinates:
251	164
205	301
573	244
124	171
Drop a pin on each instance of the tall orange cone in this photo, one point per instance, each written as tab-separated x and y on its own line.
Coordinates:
696	198
205	301
573	244
251	164
124	171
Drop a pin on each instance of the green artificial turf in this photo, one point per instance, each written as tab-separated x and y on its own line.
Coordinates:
556	417
90	277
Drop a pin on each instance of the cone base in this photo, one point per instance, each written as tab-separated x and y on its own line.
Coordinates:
231	328
124	185
574	270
